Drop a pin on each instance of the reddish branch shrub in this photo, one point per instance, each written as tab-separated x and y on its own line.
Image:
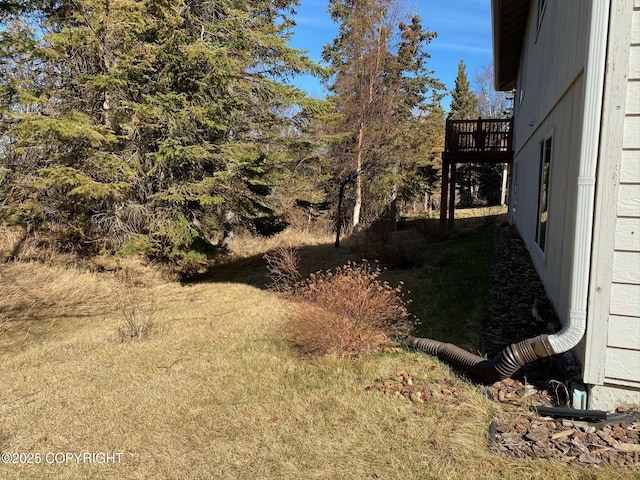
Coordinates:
346	312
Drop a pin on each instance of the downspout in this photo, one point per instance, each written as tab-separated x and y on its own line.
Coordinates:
517	355
575	326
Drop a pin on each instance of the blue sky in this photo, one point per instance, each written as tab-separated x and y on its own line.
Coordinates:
463	28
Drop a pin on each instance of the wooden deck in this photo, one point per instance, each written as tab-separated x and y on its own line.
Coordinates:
471	141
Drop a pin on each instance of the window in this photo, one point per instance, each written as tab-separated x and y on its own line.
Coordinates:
543	192
541	8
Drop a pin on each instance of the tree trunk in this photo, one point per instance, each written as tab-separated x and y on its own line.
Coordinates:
358	187
228	235
503	191
339	214
394	208
373	74
427	204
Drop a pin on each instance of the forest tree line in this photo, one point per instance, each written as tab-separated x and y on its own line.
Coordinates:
163	126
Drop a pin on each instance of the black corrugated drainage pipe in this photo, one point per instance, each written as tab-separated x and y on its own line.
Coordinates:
504	365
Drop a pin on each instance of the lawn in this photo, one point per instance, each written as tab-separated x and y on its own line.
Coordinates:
211	389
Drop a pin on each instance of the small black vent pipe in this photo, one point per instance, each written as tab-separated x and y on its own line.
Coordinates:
504	365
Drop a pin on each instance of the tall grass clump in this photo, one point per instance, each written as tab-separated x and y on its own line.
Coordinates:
346	312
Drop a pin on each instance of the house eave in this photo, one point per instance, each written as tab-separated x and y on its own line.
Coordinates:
509	22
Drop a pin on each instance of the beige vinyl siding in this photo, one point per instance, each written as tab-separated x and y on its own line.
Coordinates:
631	129
551	82
622	333
629	199
626	268
627	234
625	301
553	59
630	167
623	340
634	62
551	101
633	98
622	366
611	351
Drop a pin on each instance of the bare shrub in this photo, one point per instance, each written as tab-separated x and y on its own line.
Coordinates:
490	215
283	265
347	312
137	311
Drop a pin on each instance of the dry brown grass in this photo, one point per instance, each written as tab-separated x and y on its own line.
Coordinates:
17	244
10	238
216	392
32	289
249	245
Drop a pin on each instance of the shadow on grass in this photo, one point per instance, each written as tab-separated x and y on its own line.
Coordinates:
253	271
445	274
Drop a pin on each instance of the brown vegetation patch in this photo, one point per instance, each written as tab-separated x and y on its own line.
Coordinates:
408	385
347	311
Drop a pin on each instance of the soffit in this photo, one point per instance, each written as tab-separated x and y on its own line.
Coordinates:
509	19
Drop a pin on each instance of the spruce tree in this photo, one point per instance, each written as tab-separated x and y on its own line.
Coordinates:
464	104
147	125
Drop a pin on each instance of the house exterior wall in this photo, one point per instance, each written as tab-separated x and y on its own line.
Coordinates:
549	102
612	366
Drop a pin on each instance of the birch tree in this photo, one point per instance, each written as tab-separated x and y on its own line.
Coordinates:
379	78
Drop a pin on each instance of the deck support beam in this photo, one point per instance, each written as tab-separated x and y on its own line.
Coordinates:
452	196
444	194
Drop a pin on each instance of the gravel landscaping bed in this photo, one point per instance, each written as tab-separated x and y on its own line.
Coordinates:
520	309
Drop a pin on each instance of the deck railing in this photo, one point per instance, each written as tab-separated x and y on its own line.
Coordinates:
482	135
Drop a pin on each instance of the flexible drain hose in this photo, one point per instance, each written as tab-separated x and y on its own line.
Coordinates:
504	365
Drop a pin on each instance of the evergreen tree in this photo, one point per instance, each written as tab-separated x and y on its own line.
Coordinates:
147	125
464	106
424	163
464	103
379	79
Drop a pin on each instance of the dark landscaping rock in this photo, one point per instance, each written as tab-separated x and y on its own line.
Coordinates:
519	309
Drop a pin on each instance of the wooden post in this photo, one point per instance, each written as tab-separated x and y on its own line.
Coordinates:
452	195
443	193
510	136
